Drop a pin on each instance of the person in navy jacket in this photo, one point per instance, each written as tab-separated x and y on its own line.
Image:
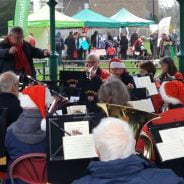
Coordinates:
115	146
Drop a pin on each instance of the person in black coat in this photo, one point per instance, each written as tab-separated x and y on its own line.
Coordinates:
9	84
123	46
71	46
17	55
118	70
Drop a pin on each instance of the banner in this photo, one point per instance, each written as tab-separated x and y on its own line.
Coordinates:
21	13
164	26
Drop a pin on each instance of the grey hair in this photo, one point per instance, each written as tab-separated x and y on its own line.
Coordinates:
93	57
16	29
115	91
8	80
114	139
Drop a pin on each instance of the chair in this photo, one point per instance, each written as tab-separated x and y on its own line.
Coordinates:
30	168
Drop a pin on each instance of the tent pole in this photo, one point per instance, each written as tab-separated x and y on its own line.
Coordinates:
53	56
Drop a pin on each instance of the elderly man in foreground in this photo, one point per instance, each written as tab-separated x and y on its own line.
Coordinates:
115	146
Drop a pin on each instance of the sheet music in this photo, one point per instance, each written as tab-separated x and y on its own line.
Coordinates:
171	150
136	81
152	89
145	82
79	147
143	105
77	109
74	99
77	128
171	134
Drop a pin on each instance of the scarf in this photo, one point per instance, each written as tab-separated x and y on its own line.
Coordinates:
21	60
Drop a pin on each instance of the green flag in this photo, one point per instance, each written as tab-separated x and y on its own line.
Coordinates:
21	13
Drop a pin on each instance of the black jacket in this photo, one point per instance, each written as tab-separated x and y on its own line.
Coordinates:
7	61
123	43
127	79
11	102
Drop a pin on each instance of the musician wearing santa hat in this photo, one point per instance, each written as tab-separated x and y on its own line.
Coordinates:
25	135
118	70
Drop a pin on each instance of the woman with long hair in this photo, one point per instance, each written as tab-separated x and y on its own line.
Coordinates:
169	70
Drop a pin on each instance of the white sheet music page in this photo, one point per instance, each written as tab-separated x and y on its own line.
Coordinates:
77	127
143	105
152	89
145	82
136	81
77	109
171	134
171	150
79	147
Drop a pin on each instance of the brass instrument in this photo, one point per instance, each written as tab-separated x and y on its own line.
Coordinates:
136	118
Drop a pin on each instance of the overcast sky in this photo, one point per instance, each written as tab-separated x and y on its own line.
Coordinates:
168	3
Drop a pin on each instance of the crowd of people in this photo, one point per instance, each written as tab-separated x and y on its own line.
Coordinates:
122	46
120	155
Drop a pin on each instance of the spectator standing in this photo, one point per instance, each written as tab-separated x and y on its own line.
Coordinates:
123	46
71	48
59	47
153	45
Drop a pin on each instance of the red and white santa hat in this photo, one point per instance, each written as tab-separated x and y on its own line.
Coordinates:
172	92
39	97
116	63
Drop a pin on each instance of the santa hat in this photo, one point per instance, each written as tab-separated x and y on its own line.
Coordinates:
36	97
172	92
116	63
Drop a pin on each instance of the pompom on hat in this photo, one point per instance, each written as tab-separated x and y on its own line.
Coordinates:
116	63
172	92
39	97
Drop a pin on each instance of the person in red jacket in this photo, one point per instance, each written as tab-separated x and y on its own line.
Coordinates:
94	69
172	93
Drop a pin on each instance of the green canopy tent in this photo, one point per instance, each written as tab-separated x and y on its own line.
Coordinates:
93	19
127	19
39	22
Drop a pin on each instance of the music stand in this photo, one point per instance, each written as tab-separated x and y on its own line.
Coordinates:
60	170
65	76
177	165
138	94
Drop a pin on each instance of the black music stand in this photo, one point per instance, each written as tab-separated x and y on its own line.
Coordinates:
177	165
138	94
60	170
71	91
65	76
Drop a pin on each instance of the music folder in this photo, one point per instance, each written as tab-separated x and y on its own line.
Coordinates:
67	166
168	154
